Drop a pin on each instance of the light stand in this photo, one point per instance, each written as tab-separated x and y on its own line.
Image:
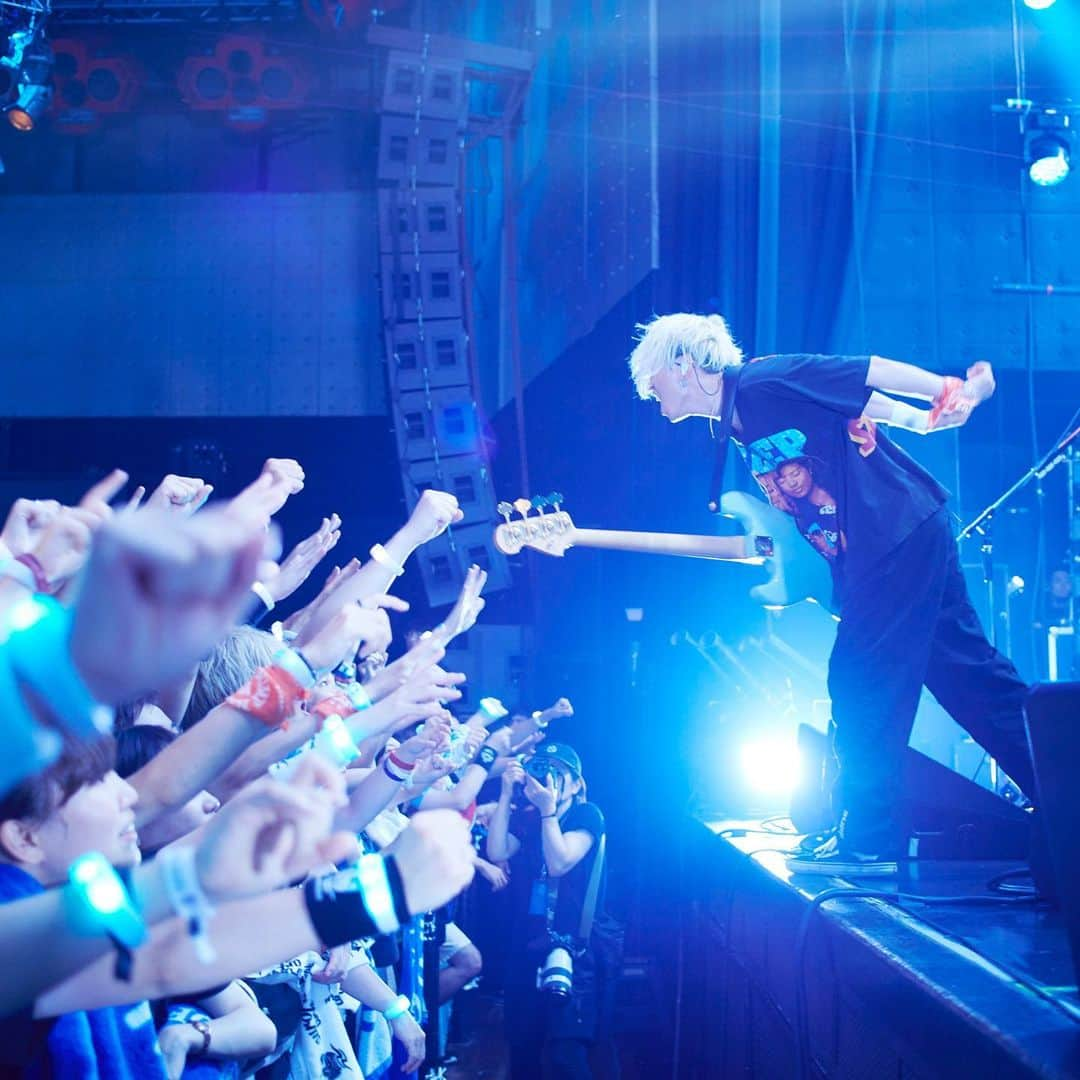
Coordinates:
983	523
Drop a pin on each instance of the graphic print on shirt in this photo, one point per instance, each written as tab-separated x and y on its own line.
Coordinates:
797	482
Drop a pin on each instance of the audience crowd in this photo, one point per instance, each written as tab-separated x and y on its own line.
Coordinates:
237	836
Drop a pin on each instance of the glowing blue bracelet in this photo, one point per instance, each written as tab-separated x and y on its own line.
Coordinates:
375	888
297	666
28	747
398	1007
358	696
100	903
40	655
492	708
335	741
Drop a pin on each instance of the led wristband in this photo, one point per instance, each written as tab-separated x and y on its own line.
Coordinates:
397	1008
38	648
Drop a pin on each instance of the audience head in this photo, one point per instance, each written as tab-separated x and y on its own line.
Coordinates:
78	804
234	660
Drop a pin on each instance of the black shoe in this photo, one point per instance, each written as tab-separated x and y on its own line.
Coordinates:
834	859
810	843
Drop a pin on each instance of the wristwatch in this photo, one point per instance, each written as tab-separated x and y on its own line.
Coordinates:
203	1028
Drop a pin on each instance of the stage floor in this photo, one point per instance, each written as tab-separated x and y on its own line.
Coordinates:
871	987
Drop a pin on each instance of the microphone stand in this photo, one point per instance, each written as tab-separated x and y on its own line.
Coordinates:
983	524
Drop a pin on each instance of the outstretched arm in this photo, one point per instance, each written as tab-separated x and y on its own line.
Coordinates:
907	380
887	410
952	399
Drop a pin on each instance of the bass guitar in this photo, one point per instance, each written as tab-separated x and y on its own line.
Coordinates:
771	539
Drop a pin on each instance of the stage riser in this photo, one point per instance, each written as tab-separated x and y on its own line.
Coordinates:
879	1004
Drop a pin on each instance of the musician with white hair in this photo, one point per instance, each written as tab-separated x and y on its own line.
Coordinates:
906	619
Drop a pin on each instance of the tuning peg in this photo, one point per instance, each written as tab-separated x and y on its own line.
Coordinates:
554	499
505	509
539	502
522	506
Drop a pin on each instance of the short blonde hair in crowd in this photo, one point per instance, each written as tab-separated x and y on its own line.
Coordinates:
705	339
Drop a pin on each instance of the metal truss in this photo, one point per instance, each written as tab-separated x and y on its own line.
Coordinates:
147	12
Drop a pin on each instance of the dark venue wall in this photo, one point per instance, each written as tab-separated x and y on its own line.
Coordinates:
192	288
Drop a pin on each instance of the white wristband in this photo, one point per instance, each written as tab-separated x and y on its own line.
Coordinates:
382	557
375	888
263	593
185	893
19	572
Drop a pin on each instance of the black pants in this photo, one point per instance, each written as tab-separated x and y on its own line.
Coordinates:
557	1059
550	1038
908	624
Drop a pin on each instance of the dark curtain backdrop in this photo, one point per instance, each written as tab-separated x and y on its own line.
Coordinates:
747	203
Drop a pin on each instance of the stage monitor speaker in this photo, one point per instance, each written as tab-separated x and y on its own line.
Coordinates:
946	815
1053	724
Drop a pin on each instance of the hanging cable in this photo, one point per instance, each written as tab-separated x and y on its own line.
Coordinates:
856	217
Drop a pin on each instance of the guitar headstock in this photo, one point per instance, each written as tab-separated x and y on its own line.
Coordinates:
549	530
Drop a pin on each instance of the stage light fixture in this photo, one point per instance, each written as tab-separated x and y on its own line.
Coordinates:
1038	5
34	95
29	107
770	765
1048	147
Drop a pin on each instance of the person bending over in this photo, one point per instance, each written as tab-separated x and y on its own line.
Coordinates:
905	617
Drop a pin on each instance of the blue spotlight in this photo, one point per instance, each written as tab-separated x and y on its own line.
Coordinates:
1047	147
770	765
1049	161
1039	5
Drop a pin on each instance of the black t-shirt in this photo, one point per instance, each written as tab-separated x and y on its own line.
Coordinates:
530	881
853	493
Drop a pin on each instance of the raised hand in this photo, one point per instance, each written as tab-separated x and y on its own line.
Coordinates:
545	796
435	859
64	545
424	655
513	776
433	737
465	612
340	637
335	580
980	383
158	593
525	745
422	696
26	524
274	832
97	498
296	567
180	494
280	478
958	399
500	741
432	514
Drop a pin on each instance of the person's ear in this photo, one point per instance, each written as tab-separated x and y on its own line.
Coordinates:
19	842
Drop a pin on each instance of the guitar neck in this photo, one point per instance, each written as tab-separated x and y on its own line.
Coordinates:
728	548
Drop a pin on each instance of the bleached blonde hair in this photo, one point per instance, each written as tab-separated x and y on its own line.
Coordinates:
703	340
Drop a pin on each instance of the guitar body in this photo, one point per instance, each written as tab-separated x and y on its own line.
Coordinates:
796	571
